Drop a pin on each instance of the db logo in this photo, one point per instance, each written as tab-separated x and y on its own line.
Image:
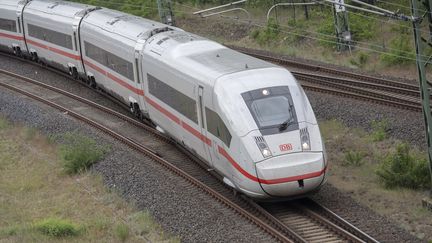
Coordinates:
285	147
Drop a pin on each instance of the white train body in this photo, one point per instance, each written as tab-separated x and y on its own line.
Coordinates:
248	119
11	35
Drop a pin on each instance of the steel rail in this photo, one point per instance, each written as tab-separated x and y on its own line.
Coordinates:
337	220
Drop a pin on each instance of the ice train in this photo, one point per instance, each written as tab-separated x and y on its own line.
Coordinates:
248	119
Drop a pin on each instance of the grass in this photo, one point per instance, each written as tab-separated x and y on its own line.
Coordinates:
122	232
354	158
79	152
379	130
40	203
57	227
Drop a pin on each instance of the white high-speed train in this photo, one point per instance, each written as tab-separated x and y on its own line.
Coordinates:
248	119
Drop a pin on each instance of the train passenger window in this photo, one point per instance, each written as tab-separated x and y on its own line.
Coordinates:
51	36
120	65
8	25
109	60
175	99
217	127
95	53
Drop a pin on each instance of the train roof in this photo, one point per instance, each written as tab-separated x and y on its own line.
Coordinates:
11	2
61	8
202	58
123	24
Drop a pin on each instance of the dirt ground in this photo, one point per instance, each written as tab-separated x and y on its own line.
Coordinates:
401	205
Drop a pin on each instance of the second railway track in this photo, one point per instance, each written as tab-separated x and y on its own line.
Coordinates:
347	84
158	147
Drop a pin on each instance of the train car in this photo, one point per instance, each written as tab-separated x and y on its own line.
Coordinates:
11	31
249	119
111	42
51	31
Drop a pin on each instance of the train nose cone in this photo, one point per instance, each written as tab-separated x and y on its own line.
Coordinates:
291	174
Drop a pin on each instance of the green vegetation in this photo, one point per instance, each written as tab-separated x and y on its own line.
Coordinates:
3	123
401	52
122	232
79	152
403	168
38	203
267	35
379	130
354	158
57	227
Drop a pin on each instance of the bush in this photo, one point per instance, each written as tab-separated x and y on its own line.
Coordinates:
361	28
79	153
401	52
122	232
270	33
403	169
354	158
57	228
379	130
363	58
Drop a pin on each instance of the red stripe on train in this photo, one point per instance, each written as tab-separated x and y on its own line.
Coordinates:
9	36
55	50
270	181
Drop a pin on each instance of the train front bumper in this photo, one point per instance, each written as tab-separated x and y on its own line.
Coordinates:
292	174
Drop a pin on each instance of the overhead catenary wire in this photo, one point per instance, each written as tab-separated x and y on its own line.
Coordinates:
263	25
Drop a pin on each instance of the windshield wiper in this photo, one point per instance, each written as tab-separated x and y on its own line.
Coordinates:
283	126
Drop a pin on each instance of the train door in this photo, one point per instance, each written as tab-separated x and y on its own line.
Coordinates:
206	141
139	79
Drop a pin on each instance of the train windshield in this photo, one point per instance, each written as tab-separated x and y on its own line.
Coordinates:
273	109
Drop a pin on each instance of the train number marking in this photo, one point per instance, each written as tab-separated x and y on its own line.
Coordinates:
285	147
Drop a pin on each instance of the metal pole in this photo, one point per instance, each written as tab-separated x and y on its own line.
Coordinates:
306	10
165	12
343	34
425	88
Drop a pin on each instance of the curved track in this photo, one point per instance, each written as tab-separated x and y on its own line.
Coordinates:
272	221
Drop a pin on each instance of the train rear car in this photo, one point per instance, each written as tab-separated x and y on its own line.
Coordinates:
11	33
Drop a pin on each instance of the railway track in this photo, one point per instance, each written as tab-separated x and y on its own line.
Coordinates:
289	222
347	84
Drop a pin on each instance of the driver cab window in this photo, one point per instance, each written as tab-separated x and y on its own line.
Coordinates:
217	127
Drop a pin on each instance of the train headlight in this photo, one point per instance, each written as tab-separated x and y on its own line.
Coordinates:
266	153
305	140
262	145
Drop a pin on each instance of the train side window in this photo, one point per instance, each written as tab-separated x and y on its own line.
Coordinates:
95	53
109	60
175	99
51	36
8	25
120	65
217	127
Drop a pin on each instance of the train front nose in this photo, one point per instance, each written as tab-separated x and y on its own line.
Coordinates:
291	174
